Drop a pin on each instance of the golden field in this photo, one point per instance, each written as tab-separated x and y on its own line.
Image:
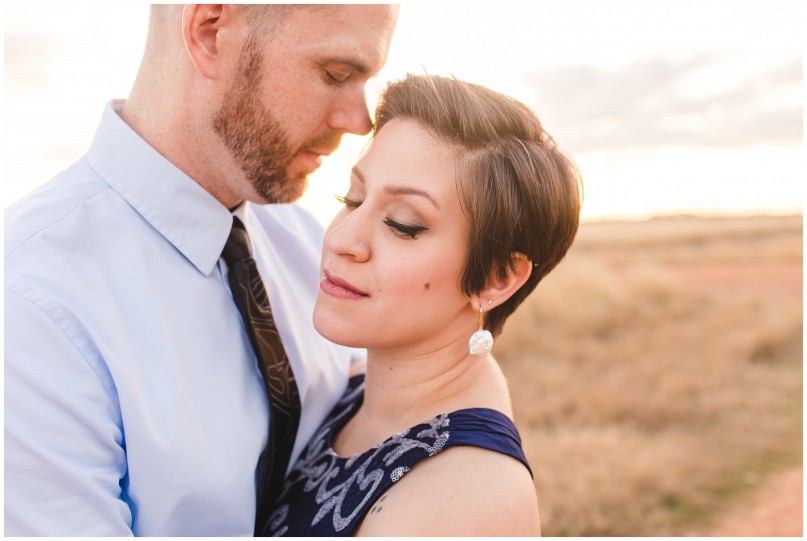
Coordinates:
656	373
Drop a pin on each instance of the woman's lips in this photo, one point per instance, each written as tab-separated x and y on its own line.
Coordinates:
333	285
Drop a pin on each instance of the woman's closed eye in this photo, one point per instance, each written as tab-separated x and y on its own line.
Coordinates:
348	203
400	230
405	231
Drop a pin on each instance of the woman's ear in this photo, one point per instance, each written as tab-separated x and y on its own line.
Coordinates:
500	289
203	29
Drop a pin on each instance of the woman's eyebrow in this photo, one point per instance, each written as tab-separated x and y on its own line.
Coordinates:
358	174
397	190
407	190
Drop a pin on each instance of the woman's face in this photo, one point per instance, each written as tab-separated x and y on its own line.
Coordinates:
393	257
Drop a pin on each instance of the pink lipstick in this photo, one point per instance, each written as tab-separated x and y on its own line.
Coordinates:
342	289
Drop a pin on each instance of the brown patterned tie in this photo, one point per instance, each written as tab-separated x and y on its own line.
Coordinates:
284	400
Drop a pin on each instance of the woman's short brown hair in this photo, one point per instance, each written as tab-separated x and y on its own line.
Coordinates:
520	193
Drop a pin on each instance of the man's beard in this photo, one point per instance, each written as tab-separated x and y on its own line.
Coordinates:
256	140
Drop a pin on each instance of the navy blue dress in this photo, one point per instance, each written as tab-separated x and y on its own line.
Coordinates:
327	495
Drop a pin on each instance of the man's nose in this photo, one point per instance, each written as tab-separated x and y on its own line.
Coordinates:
352	115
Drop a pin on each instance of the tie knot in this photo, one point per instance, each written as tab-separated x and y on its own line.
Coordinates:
237	247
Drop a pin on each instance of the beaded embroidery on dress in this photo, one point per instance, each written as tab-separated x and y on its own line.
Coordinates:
328	495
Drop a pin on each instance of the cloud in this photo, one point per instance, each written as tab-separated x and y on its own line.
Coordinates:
662	102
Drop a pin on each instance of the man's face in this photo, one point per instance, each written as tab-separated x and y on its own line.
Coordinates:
296	94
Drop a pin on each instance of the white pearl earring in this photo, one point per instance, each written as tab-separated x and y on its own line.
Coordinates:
481	341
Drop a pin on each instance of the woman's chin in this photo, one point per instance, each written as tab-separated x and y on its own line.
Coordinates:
333	328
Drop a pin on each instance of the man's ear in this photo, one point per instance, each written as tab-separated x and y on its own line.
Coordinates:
204	27
500	289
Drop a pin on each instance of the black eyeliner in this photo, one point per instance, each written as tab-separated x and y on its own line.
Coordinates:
409	230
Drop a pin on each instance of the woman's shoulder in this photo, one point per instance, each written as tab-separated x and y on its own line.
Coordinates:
463	490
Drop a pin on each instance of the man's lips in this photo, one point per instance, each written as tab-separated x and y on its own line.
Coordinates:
321	151
313	159
314	156
333	285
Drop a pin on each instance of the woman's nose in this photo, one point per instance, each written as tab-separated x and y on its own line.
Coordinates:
347	235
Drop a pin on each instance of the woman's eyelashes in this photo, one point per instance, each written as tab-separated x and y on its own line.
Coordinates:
400	230
349	203
405	231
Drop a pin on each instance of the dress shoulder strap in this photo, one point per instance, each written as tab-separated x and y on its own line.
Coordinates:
489	429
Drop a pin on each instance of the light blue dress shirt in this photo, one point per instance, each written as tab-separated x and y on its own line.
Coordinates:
133	401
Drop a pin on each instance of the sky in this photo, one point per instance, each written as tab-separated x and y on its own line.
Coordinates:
667	107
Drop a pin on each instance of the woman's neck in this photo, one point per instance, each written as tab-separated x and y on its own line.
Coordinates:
403	390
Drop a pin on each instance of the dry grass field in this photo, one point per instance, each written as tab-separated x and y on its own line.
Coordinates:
656	374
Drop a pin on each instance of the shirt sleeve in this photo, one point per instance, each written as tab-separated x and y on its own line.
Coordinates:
64	452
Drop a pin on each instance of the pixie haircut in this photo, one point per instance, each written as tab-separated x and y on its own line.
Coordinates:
519	192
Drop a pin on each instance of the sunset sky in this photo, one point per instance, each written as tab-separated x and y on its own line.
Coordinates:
667	106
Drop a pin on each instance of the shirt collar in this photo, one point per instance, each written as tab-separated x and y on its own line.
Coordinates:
189	217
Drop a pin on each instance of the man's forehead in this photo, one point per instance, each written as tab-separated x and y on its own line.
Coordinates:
354	34
351	18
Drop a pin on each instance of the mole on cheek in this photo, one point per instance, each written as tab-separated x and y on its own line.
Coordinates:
426	286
